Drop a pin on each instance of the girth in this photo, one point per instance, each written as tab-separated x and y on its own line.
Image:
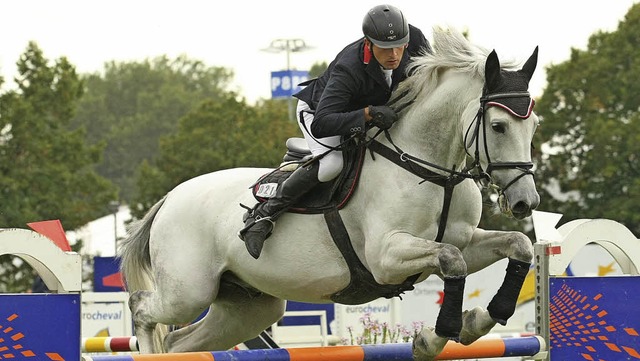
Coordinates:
362	286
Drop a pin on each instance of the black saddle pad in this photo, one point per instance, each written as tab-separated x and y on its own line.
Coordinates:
335	193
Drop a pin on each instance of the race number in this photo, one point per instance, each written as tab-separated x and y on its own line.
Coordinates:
267	190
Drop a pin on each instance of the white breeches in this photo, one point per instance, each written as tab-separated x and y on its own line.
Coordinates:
332	163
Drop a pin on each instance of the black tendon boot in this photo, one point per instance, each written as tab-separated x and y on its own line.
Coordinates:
503	304
259	222
449	322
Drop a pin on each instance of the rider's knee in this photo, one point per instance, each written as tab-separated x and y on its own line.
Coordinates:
451	261
330	166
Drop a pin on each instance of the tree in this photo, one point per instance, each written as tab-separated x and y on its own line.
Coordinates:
317	69
219	134
45	169
591	129
134	104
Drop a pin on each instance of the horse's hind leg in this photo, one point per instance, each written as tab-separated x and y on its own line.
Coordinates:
150	308
496	245
232	319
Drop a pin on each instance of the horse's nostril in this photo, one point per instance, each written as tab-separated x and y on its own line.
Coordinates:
521	209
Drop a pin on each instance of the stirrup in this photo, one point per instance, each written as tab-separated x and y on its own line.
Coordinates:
247	227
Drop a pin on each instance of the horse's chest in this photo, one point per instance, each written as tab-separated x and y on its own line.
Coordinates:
439	214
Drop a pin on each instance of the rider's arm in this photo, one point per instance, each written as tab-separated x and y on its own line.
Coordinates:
335	114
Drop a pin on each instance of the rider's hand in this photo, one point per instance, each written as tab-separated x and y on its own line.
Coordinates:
382	116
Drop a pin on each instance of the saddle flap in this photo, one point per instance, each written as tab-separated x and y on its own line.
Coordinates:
325	195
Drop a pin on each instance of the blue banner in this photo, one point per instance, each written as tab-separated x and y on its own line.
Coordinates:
285	83
309	320
594	318
40	327
106	275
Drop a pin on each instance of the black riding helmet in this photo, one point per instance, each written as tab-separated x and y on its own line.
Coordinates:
386	27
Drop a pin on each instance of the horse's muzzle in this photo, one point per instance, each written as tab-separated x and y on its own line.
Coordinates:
522	205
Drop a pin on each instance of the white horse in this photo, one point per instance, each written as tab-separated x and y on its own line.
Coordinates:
414	214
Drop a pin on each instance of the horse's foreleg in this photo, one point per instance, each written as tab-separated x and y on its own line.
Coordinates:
503	304
403	254
454	272
496	245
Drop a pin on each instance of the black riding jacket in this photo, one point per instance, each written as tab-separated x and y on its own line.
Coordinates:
352	83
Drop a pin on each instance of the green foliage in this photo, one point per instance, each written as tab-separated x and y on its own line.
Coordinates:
317	69
45	169
591	126
219	134
134	104
15	275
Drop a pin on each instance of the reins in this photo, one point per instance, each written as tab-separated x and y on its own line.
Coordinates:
453	177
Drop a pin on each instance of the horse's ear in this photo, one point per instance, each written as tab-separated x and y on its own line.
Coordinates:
530	66
492	76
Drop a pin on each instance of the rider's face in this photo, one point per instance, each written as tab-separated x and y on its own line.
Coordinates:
389	58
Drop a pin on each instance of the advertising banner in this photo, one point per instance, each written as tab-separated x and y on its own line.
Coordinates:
40	327
285	83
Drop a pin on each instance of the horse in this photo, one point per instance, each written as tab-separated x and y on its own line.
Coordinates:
464	119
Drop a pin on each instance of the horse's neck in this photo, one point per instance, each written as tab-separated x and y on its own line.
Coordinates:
433	130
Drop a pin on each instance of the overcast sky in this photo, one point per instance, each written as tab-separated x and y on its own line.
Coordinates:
232	33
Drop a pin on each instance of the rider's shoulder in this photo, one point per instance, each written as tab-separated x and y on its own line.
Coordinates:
417	41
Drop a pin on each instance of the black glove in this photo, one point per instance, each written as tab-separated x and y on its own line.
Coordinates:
383	116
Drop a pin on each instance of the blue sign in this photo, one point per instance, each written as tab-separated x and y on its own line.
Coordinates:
594	318
106	275
309	320
285	83
40	327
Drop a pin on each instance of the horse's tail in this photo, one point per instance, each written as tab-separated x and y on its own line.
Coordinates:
135	263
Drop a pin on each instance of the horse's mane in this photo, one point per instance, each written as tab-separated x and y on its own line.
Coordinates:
451	50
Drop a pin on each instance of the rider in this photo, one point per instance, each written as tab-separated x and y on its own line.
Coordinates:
346	98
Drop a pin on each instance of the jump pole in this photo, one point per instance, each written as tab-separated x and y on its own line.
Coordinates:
109	344
483	348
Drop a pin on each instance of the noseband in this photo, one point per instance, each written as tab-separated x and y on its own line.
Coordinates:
479	120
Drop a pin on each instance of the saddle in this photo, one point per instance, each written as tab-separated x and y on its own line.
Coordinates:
326	195
327	198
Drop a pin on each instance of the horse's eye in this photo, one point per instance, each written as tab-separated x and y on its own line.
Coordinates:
498	128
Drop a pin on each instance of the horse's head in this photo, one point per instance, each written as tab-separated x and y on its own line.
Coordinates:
504	129
438	101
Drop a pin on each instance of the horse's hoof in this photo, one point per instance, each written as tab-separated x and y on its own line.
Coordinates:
427	345
475	324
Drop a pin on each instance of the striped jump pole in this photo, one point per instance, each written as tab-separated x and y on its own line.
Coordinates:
508	347
109	344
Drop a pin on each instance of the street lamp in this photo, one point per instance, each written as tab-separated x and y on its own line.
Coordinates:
288	46
114	206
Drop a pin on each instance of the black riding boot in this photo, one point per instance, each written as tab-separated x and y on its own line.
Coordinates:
258	223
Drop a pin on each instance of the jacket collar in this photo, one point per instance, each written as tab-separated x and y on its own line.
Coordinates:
373	68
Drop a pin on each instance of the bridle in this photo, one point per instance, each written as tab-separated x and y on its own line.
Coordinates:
480	120
474	170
